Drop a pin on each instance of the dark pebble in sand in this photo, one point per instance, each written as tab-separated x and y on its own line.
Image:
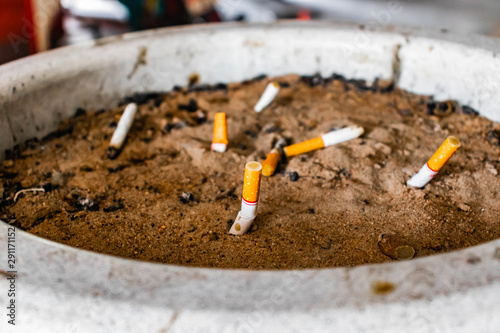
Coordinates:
294	176
260	77
469	111
220	86
168	127
313	81
186	197
140	98
191	228
494	137
113	207
325	244
191	107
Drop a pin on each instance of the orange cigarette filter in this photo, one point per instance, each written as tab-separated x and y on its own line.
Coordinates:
443	154
271	163
219	142
304	147
251	185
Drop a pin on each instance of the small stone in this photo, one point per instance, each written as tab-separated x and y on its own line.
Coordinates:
385	149
178	123
395	247
57	179
85	203
168	127
294	176
254	227
113	207
405	112
463	206
201	117
469	111
191	228
26	183
312	81
381	135
493	136
191	107
8	163
213	236
491	168
2	191
186	197
325	244
86	168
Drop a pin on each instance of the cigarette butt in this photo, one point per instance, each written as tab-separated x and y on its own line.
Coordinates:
250	198
219	142
122	130
435	163
326	140
271	163
251	185
444	153
268	96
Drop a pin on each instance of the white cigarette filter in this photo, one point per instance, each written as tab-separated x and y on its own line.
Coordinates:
268	96
250	199
436	162
122	129
326	140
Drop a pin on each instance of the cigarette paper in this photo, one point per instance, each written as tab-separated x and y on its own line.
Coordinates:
122	130
326	140
268	96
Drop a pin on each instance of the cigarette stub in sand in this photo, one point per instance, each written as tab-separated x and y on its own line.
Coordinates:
250	198
219	142
122	130
268	96
271	163
437	161
328	139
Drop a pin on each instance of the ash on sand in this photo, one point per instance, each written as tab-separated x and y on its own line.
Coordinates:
332	215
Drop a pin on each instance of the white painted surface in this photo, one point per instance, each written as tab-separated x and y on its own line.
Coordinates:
63	289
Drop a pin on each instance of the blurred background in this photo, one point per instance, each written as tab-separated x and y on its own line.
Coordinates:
31	26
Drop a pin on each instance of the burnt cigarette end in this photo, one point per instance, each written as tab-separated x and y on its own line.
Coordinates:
112	153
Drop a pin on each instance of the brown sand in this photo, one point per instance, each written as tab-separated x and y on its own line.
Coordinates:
345	198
